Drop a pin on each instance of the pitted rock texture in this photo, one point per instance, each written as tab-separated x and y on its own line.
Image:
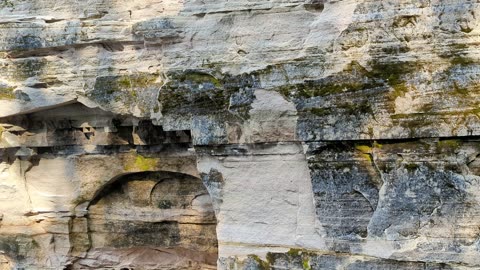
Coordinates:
269	134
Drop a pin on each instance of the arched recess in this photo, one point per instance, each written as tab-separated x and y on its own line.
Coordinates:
148	220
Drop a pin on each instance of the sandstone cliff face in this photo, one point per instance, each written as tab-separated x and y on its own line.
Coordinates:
269	134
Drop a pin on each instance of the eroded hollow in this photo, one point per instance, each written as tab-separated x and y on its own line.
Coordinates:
315	5
152	220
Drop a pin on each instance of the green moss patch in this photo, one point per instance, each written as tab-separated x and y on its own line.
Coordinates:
413	122
457	56
261	264
393	74
458	60
198	92
353	78
124	88
448	146
27	68
201	78
310	89
295	251
139	80
141	163
356	108
380	76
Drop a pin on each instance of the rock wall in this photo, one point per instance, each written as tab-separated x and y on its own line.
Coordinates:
269	134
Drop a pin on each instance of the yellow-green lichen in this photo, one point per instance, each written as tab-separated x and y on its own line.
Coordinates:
262	265
295	251
399	90
304	256
7	92
306	264
139	80
142	163
364	148
377	145
366	151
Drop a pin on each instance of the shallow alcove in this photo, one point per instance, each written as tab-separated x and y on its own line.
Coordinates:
152	220
314	5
